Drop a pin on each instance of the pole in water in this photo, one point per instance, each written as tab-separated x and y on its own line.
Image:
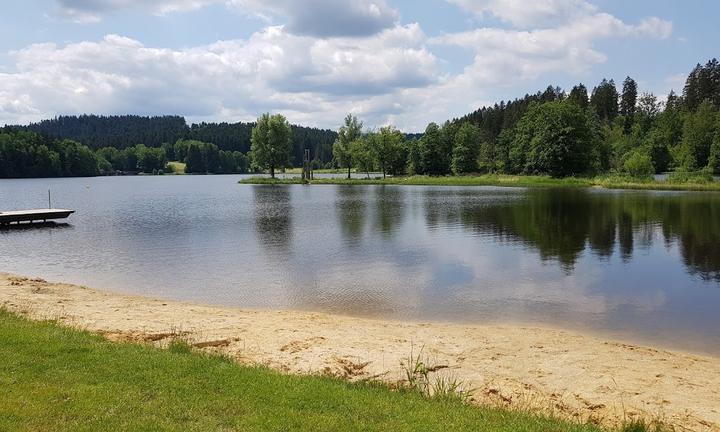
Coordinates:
49	200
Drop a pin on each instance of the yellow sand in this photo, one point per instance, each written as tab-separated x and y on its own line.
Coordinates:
565	372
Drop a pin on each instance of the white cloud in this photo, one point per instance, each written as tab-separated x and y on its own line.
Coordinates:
523	13
322	18
529	54
332	57
90	11
311	80
325	18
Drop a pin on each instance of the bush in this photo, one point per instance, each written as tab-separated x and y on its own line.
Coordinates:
691	177
638	164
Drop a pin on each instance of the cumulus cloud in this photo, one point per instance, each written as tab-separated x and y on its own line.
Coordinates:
532	53
522	13
325	18
89	11
321	18
272	70
323	58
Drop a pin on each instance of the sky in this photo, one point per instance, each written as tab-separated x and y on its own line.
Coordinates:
390	62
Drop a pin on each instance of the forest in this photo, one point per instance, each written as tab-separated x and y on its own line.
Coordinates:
559	134
553	132
135	144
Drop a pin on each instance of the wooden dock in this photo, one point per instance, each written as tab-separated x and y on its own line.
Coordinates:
32	216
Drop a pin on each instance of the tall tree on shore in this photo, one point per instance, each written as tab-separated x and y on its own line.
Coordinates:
434	153
466	149
554	138
628	103
361	155
271	142
349	132
698	136
386	147
605	100
579	96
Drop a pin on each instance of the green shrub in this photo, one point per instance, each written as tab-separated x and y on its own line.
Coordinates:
638	164
691	177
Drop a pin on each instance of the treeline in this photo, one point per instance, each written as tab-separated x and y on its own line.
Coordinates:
27	154
558	133
122	132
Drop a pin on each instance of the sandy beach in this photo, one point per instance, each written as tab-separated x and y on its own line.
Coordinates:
568	373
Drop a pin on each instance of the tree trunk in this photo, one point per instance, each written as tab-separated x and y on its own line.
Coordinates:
272	171
348	172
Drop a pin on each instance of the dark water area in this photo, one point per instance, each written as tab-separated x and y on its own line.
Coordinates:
638	265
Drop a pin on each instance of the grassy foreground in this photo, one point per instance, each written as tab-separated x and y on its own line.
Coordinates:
609	182
54	378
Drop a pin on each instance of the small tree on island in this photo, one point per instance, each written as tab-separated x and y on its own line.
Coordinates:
349	132
271	142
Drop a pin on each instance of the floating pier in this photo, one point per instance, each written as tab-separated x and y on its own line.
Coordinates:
33	216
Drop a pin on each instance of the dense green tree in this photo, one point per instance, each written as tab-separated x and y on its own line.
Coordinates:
386	147
77	160
362	156
466	149
673	102
555	138
698	136
414	162
434	151
104	167
180	149
714	158
169	149
130	159
115	157
150	160
195	163
349	132
579	96
703	84
232	163
628	103
638	164
271	143
202	158
605	100
647	112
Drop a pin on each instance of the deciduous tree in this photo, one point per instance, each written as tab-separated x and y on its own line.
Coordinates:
271	142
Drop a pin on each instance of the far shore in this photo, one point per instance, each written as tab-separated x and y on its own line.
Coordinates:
565	373
503	180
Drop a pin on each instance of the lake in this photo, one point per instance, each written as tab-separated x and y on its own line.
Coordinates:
640	265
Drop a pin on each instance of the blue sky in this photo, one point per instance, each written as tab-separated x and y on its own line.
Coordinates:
395	62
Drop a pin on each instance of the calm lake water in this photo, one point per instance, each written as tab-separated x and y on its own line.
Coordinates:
640	265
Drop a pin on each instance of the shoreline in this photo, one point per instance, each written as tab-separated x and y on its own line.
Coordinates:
565	373
521	181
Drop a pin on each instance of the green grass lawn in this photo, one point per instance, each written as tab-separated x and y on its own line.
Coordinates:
609	182
53	378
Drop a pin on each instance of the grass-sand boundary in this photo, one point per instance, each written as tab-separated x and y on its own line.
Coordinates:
571	374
